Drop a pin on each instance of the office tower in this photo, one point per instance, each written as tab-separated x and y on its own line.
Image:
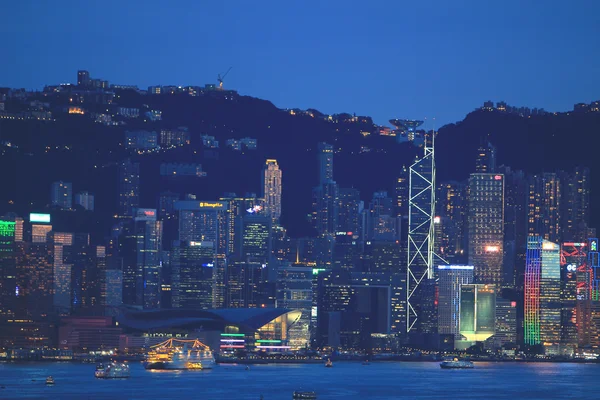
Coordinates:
19	223
575	296
486	158
354	305
129	187
8	268
383	256
166	204
140	248
207	221
237	208
515	226
174	137
192	274
450	280
382	224
325	157
420	249
35	278
256	238
543	212
113	293
401	193
575	201
246	281
506	323
326	208
271	189
594	266
452	208
83	78
85	200
542	294
349	210
295	292
346	251
477	312
62	272
80	257
62	195
486	227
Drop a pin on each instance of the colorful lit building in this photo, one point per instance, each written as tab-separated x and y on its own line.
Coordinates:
271	189
477	313
542	294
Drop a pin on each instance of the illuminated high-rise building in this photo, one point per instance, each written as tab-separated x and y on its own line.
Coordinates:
207	221
486	227
542	294
485	161
544	206
382	223
62	272
35	278
295	292
141	247
83	78
506	323
255	238
61	195
8	268
575	296
401	193
237	208
452	208
325	156
193	265
271	189
450	280
326	208
40	227
575	203
129	187
477	312
349	210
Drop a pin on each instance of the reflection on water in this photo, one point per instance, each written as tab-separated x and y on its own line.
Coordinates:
345	380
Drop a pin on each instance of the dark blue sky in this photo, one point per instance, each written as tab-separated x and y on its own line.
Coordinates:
380	58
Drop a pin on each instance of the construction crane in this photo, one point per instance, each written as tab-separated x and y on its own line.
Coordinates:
220	78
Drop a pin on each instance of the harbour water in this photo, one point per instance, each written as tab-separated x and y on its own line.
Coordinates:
346	380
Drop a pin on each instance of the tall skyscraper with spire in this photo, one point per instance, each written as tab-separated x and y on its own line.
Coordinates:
271	186
325	156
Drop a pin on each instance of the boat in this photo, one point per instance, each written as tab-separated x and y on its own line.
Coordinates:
328	364
112	370
49	381
456	364
366	362
304	395
180	354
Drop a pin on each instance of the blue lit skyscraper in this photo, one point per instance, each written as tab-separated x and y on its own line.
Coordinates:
451	278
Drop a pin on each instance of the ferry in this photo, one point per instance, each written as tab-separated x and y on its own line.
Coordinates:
180	354
456	364
112	371
50	381
328	364
305	395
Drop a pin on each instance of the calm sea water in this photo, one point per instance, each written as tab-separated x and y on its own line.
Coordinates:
346	380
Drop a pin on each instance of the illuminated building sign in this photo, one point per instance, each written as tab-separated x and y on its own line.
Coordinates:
208	265
212	204
456	267
593	244
254	210
492	249
549	246
498	177
571	268
35	217
145	214
436	220
317	270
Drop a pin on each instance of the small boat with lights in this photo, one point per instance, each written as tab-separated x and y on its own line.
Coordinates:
328	364
456	364
49	381
180	354
112	370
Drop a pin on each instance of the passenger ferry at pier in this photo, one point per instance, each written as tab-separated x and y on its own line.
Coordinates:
456	364
180	354
112	370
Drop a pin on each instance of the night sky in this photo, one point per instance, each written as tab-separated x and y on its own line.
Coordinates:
380	58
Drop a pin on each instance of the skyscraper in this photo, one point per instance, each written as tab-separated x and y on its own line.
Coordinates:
325	157
401	193
486	227
451	278
8	268
271	187
85	200
294	292
256	239
141	247
349	210
193	265
62	195
543	213
575	201
477	312
486	158
542	293
129	187
83	78
326	208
